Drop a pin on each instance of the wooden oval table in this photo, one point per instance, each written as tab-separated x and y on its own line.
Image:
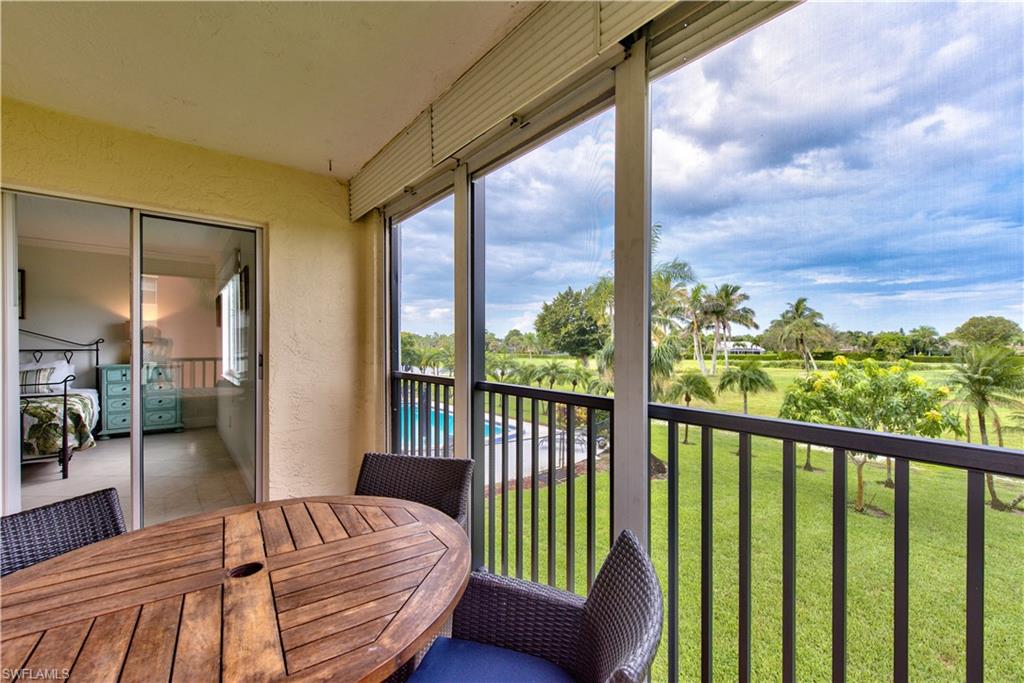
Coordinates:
343	588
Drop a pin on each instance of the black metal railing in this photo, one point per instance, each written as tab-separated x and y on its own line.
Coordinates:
977	461
540	448
422	417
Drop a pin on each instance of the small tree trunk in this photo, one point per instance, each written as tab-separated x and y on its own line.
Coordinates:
744	403
889	483
990	481
858	504
967	419
714	352
686	428
807	460
698	353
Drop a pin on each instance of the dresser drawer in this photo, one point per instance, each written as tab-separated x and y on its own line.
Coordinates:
116	405
117	374
159	387
118	389
160	417
165	402
115	421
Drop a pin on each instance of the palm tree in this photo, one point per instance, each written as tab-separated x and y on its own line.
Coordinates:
804	325
553	372
599	386
689	385
693	307
432	358
747	378
578	376
986	377
527	373
502	367
725	307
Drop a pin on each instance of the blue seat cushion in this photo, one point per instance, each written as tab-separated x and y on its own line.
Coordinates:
451	659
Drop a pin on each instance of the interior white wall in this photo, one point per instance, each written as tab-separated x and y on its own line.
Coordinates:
76	295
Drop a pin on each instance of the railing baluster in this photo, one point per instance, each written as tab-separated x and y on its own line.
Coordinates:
490	481
534	489
839	565
591	498
403	417
570	498
447	431
552	439
901	570
519	487
788	561
975	575
673	551
424	416
504	484
744	559
706	547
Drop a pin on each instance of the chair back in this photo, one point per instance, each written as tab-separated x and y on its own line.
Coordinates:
440	483
38	534
622	616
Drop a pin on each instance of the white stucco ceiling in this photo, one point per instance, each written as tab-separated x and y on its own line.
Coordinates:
295	83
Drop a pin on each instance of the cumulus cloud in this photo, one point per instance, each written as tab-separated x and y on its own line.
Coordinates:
866	155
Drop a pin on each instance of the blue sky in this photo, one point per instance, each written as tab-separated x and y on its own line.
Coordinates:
867	156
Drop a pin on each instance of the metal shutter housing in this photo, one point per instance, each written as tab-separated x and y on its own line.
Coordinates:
403	160
619	19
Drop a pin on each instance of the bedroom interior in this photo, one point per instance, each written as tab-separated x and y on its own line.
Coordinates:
198	399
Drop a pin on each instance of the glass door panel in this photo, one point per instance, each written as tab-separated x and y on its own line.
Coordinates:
199	397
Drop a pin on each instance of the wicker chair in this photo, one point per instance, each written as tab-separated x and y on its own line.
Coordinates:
506	628
41	533
440	483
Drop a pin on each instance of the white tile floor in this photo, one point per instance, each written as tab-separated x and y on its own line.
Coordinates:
185	474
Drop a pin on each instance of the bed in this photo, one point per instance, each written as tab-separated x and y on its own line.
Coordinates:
57	417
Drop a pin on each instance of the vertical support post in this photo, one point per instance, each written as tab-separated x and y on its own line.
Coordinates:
744	560
469	342
394	331
788	562
11	399
632	293
135	355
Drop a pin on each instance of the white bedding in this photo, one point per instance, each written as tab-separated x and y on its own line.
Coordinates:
91	394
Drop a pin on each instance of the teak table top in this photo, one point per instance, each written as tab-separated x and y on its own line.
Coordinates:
344	587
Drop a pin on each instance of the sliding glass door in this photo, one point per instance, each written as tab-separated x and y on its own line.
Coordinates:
199	393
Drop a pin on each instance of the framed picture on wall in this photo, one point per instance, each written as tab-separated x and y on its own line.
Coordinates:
21	293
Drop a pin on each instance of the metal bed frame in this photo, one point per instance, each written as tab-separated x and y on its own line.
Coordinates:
65	454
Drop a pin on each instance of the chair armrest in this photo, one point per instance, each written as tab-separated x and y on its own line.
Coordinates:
523	616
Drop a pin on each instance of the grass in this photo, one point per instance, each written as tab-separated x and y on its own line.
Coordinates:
937	566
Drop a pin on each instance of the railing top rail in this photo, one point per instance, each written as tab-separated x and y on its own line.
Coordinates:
420	377
569	397
933	451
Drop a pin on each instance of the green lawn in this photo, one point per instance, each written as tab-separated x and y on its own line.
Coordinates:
937	557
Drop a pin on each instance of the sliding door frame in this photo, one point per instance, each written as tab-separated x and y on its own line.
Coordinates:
11	460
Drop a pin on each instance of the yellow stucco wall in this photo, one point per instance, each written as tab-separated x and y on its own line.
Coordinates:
322	271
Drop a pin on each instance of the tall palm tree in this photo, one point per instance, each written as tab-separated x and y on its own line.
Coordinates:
725	307
526	374
987	377
432	358
696	322
747	378
689	385
803	324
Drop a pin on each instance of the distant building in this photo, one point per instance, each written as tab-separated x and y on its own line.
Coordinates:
741	348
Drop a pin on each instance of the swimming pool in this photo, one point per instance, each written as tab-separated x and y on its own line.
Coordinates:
436	419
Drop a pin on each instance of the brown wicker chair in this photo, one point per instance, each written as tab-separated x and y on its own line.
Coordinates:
509	629
440	483
38	534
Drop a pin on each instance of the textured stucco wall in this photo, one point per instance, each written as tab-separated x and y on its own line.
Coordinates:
322	306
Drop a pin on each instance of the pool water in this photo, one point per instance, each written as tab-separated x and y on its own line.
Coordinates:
435	419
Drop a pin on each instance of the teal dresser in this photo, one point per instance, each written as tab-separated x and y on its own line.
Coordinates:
161	399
